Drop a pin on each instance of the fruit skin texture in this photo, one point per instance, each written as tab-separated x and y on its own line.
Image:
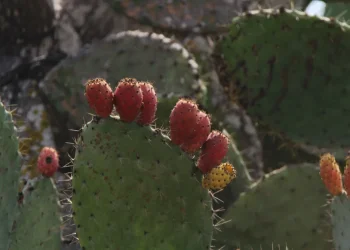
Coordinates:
213	151
347	176
149	107
128	99
199	133
330	174
48	161
189	126
182	118
220	177
99	96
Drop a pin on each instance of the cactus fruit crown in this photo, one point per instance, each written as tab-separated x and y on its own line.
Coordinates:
48	161
287	79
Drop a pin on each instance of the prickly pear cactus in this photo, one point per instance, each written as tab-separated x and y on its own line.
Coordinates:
285	207
185	16
276	71
39	213
136	54
132	189
340	211
10	165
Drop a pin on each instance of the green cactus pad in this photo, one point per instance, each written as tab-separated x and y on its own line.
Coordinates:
285	207
10	166
141	55
39	225
338	10
291	72
340	215
133	190
186	16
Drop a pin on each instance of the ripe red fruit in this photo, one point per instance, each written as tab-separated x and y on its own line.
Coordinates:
99	96
189	127
149	107
347	176
330	174
199	133
182	119
213	151
48	162
128	99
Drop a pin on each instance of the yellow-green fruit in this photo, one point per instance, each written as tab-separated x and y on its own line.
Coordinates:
220	177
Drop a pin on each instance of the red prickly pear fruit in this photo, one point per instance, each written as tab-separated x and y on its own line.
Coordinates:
128	99
182	120
149	107
347	175
330	174
213	151
199	133
99	96
48	161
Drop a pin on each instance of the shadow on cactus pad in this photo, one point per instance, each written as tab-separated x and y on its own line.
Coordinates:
291	72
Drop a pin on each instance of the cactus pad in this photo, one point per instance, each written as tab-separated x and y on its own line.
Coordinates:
295	82
188	16
136	54
10	166
39	213
133	190
340	214
285	207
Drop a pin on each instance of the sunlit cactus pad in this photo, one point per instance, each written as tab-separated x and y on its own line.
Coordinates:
10	166
39	225
194	15
132	189
288	206
141	55
291	71
340	211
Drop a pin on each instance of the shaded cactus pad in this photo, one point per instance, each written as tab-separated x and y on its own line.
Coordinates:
194	15
24	23
10	165
295	82
285	207
340	214
39	225
135	54
134	190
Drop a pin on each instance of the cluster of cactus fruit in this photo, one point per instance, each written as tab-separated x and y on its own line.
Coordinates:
137	185
190	127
